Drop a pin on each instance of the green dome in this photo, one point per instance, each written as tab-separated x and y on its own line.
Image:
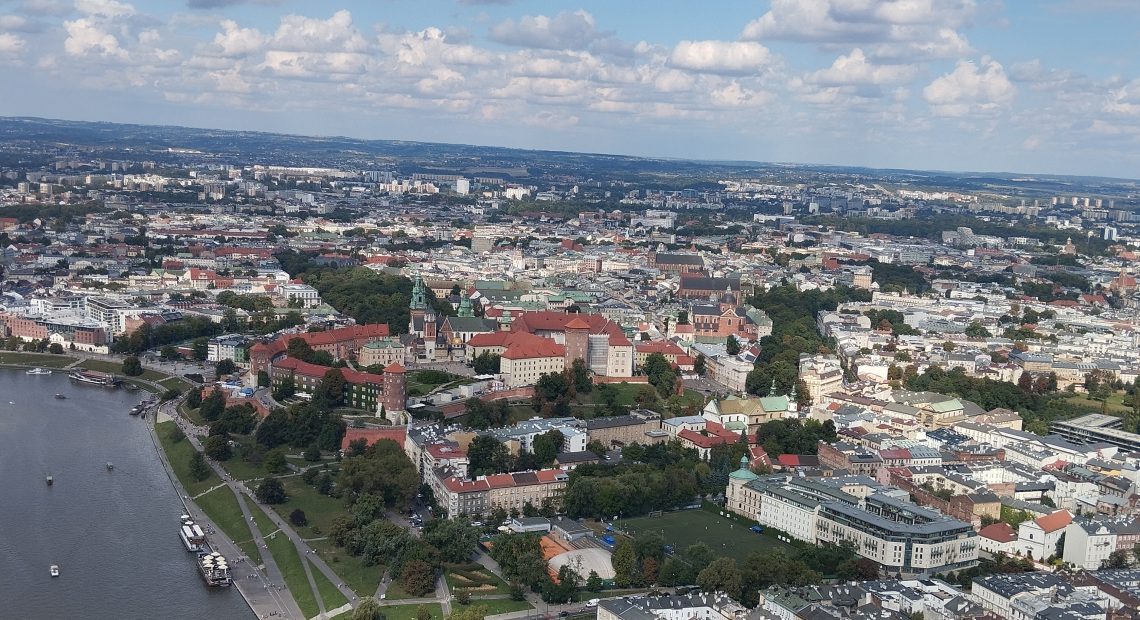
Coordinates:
744	473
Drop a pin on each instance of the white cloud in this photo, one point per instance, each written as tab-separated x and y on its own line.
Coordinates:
970	89
732	57
1125	100
235	41
567	30
733	95
854	68
889	28
10	44
104	8
305	34
86	36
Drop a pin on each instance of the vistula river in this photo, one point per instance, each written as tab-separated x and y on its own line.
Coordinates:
114	534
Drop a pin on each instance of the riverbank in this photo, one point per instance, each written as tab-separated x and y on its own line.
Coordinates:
263	598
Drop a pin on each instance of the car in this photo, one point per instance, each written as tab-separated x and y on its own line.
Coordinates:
563	614
592	602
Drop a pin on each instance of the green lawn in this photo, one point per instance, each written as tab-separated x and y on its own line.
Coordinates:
328	591
320	510
222	508
45	360
289	561
686	527
498	605
117	368
1115	403
175	382
421	382
179	456
471	577
241	469
408	612
190	414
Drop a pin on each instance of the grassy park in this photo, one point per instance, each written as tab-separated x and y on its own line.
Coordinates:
45	360
686	527
408	612
289	561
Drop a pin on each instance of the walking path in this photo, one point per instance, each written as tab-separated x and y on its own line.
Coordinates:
265	601
245	493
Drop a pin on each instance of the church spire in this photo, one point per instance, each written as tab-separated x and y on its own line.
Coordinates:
419	295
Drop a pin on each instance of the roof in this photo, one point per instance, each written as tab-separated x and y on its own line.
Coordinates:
526	346
1000	532
1053	522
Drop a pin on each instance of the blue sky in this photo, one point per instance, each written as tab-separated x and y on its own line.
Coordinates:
1049	86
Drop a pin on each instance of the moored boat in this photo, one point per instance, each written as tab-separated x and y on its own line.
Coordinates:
50	480
60	397
38	371
214	569
95	378
192	536
54	570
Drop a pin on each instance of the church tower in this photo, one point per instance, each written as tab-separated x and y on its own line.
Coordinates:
418	307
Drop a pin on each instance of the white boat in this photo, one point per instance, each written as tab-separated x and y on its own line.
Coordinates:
39	371
55	570
193	538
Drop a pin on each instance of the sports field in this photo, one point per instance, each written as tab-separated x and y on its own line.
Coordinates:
724	536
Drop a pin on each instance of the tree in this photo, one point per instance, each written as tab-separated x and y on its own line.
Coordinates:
270	491
55	348
262	379
463	596
486	455
212	406
417	577
275	462
683	317
217	447
486	363
199	469
547	446
976	330
285	389
700	365
298	518
132	367
722	575
581	376
369	609
948	346
194	399
423	613
625	564
732	345
594	582
660	374
312	454
456	539
225	367
200	348
330	390
1025	381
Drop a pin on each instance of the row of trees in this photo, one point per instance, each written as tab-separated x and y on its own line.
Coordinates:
487	455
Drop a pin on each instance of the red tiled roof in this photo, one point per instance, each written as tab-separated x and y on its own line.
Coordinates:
1053	522
354	377
1000	532
530	347
558	321
577	323
664	347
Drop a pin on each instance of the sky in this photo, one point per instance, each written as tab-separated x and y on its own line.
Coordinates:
1034	86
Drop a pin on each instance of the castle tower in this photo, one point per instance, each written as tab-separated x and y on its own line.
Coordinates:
465	306
395	393
577	341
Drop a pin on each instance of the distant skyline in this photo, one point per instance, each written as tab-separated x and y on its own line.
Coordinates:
1050	86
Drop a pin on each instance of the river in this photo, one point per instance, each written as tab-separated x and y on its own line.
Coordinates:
112	533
